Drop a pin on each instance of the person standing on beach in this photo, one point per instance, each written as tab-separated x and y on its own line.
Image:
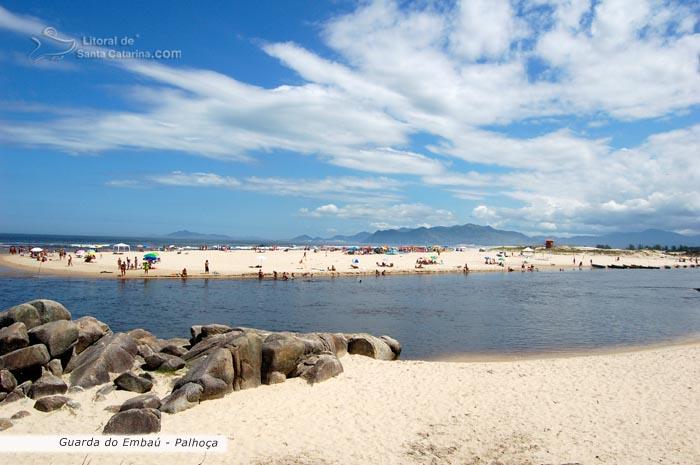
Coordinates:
206	266
70	260
146	266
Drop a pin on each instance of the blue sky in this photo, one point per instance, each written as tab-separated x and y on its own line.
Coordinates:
275	119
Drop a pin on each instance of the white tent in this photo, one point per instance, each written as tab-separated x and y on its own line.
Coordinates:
121	248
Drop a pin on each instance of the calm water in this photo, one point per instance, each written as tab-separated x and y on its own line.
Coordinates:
434	315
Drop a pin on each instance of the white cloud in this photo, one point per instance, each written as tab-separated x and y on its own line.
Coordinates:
389	216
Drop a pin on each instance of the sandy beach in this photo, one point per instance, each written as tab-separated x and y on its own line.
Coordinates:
248	263
627	408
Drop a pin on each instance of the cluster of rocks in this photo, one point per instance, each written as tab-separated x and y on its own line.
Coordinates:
41	347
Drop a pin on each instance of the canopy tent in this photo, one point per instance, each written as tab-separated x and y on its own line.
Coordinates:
121	248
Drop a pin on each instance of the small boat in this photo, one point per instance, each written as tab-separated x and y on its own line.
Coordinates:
618	267
667	267
595	265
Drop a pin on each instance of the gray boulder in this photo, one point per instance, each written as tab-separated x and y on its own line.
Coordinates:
8	382
183	398
14	396
58	336
209	344
133	422
27	357
55	367
370	346
214	373
319	368
13	337
246	350
51	403
142	401
20	414
50	310
47	385
114	353
131	382
24	313
90	330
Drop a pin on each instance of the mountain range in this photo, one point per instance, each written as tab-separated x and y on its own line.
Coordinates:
472	234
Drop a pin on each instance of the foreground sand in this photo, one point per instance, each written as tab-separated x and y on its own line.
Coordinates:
244	263
627	408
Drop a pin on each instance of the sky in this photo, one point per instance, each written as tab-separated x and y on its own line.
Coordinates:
276	119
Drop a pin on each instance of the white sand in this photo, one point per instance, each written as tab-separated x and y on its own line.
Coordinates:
628	408
242	263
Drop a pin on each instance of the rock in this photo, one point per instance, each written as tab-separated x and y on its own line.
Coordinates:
370	346
8	382
27	357
214	373
90	330
24	313
336	343
133	422
19	415
75	390
47	385
393	345
319	368
58	336
51	403
131	382
55	367
145	350
142	401
73	405
13	337
208	345
196	334
183	398
276	378
114	353
5	424
3	396
172	349
281	353
50	310
164	362
101	394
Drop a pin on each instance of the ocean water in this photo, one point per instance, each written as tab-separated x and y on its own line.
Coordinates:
431	315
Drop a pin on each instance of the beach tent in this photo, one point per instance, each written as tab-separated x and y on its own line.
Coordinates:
121	248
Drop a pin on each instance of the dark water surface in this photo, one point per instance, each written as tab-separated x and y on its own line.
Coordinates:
431	315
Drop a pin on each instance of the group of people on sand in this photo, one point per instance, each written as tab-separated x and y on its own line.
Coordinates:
128	264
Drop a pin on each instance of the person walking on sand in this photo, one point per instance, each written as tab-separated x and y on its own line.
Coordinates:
206	266
70	260
146	266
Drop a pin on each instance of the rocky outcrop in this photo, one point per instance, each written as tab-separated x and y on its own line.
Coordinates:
58	336
163	362
111	354
134	421
13	337
281	353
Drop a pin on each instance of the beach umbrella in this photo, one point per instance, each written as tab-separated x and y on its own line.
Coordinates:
37	249
151	255
90	252
500	259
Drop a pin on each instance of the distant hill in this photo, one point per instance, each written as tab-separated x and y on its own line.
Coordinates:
650	237
184	234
